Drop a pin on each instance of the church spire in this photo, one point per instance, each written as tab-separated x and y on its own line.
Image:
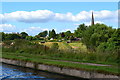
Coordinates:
92	22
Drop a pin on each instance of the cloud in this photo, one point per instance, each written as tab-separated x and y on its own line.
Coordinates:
41	16
7	28
33	30
64	17
2	19
105	15
29	17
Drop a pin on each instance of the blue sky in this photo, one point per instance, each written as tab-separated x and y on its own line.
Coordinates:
67	15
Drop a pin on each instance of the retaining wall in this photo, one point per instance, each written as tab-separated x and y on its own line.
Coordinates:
66	71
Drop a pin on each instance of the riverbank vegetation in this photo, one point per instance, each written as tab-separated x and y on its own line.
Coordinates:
114	70
98	43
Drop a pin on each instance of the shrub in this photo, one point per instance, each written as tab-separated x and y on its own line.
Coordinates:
8	42
55	46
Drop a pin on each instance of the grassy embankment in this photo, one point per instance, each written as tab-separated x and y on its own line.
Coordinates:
48	57
79	51
39	59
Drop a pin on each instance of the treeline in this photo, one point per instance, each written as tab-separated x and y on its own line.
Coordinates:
45	35
98	37
102	42
12	36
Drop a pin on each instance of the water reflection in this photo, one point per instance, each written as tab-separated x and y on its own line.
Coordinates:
9	72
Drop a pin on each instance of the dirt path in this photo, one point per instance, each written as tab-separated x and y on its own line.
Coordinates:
93	64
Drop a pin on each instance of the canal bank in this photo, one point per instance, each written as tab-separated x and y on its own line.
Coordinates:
60	70
10	72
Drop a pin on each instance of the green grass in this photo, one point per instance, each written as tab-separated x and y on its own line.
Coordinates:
49	57
64	46
78	46
41	60
25	50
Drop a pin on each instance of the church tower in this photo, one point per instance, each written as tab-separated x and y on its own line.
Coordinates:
92	21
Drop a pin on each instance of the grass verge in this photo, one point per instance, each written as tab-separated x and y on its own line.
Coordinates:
33	58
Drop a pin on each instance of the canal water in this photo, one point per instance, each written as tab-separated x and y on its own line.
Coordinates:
10	72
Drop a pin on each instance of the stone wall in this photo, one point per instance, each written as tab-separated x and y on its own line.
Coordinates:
66	71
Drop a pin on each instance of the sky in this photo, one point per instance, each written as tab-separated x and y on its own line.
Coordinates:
60	0
35	17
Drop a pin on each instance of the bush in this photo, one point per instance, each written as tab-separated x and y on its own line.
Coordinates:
8	42
55	46
24	46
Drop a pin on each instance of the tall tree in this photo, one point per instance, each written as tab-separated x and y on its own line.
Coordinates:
96	34
12	36
62	34
112	44
29	38
43	34
68	34
52	34
2	36
80	30
23	35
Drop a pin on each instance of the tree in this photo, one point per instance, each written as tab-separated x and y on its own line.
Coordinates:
29	38
62	34
12	36
115	39
2	36
43	34
52	34
68	34
94	40
57	36
86	35
23	35
80	30
111	47
96	34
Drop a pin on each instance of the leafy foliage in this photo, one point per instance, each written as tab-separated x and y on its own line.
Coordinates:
52	34
94	35
43	34
23	35
80	30
101	40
